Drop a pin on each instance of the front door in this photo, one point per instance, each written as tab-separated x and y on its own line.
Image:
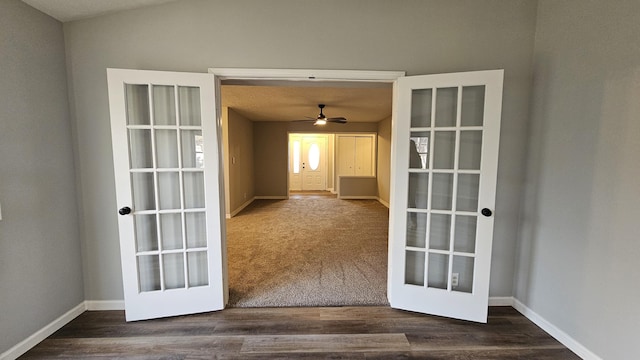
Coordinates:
444	167
313	163
167	163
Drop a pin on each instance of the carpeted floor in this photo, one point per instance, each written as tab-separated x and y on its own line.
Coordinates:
310	250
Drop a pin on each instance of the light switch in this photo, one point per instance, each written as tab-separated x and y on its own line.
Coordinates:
0	212
233	160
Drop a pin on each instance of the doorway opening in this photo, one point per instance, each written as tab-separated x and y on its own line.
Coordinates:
328	251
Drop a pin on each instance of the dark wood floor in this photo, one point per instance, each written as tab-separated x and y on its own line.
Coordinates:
308	333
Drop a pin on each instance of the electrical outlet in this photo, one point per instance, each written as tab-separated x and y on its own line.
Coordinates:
454	279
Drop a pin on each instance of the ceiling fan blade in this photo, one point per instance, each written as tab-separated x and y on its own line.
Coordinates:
305	120
340	120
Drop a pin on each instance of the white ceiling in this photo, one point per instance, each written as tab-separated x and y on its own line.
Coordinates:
357	102
69	10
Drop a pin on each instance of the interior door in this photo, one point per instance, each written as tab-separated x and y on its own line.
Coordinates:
444	166
313	162
165	137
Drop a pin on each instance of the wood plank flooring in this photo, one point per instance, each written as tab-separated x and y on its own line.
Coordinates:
301	333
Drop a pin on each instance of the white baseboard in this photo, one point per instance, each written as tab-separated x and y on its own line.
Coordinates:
386	204
552	330
33	340
236	211
97	305
271	197
358	197
501	301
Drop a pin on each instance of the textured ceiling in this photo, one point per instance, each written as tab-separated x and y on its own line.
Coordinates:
287	103
69	10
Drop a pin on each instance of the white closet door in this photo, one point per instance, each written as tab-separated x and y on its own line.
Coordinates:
166	157
445	156
364	155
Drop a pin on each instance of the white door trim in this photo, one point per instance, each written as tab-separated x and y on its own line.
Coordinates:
306	75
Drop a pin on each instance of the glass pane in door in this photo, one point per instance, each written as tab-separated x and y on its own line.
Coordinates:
171	231
421	108
142	186
417	229
167	148
438	271
192	149
463	268
414	268
446	106
465	238
140	149
444	149
470	150
442	191
137	104
467	198
196	229
418	190
198	275
164	105
473	105
440	232
146	232
173	265
149	273
189	103
419	150
169	190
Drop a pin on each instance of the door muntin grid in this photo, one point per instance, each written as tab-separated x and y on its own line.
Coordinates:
167	183
444	180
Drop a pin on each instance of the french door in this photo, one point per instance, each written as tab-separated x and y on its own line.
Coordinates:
443	179
444	166
166	160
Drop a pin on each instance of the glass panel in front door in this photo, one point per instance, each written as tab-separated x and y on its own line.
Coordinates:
167	180
444	178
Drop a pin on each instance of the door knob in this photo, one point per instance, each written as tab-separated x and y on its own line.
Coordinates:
125	210
486	212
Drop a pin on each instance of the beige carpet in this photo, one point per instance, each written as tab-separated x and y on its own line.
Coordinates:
310	250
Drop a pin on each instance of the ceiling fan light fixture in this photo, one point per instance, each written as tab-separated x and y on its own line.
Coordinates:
320	122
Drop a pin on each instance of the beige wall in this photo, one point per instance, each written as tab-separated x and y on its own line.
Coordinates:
357	187
238	160
416	36
271	151
384	159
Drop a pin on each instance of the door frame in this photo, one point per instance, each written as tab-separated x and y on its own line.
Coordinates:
293	75
325	155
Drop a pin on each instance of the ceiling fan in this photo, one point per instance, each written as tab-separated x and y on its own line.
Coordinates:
321	119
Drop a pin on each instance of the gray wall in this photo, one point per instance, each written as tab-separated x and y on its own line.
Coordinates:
578	263
418	36
40	263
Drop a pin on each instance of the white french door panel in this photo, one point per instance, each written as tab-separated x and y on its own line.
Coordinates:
166	150
443	185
